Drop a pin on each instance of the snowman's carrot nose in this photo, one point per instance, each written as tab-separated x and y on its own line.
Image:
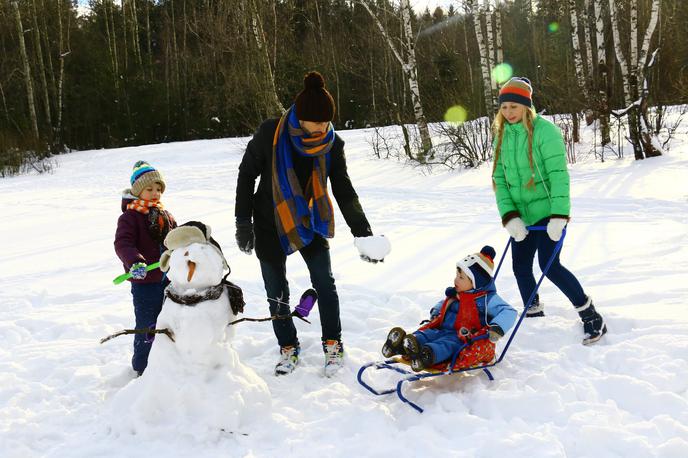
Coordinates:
192	269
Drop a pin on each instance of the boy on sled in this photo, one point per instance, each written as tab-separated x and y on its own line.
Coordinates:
469	320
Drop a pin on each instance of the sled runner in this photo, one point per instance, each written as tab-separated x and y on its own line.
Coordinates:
398	364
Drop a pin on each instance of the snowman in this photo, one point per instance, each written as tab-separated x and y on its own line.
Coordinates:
194	379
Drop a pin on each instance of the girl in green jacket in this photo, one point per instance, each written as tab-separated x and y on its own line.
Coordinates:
531	184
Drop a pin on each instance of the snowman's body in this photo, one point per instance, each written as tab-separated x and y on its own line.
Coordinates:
197	379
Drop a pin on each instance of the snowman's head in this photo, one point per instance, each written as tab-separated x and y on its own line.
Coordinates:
196	266
194	259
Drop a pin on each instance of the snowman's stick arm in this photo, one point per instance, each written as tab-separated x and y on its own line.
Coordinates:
271	318
165	331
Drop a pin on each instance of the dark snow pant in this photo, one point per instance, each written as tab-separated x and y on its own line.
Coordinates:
317	258
523	254
148	299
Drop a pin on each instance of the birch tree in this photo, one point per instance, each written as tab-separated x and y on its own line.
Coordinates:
407	59
27	72
488	95
633	72
491	51
273	106
602	104
578	65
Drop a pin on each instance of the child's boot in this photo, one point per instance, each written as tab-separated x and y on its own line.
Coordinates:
593	323
536	309
413	352
393	345
423	359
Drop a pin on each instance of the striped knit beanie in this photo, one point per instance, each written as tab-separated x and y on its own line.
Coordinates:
145	175
517	89
479	266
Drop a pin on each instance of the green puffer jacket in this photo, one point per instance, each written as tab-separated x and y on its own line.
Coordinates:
550	195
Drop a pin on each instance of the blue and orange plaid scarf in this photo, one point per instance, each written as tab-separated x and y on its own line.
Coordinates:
300	215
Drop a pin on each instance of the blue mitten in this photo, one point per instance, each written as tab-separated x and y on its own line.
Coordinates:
138	270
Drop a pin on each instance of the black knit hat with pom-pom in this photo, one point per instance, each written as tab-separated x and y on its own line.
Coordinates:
314	103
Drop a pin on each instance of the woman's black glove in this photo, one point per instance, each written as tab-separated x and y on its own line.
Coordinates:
245	238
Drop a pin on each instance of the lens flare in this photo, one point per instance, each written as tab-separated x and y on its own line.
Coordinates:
456	114
553	27
502	73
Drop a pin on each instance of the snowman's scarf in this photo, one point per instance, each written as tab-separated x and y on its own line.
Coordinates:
236	296
210	294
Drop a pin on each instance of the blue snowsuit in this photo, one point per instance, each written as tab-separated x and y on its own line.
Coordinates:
444	341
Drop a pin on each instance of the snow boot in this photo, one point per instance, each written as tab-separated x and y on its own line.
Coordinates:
393	345
424	360
536	309
289	358
334	356
593	323
416	353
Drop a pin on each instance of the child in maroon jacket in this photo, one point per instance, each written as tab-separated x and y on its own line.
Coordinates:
141	230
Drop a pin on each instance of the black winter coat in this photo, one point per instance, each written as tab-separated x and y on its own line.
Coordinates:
257	161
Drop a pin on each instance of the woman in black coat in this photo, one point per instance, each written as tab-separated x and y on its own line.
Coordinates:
291	211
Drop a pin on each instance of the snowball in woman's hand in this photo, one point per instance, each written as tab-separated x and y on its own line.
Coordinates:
374	247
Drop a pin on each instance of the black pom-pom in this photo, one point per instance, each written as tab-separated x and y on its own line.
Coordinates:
488	251
313	80
139	164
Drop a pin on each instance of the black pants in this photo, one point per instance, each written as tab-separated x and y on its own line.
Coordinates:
317	258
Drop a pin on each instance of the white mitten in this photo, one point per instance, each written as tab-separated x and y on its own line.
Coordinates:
555	227
373	248
517	229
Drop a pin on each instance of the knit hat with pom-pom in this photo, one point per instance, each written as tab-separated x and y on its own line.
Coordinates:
144	175
314	103
519	90
479	266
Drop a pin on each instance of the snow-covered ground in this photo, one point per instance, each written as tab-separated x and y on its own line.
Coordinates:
625	396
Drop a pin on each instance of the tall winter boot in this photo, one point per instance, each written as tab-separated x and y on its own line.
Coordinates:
536	309
594	326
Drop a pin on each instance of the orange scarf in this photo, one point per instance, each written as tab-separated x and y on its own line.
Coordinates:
144	206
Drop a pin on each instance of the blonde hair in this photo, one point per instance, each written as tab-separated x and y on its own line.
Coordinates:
528	118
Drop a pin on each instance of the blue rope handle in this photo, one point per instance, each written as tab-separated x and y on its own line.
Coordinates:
555	252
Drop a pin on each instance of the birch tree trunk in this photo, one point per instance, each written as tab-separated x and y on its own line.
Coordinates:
577	55
490	49
602	105
588	47
632	73
27	72
409	68
41	65
271	102
484	60
412	75
499	50
60	81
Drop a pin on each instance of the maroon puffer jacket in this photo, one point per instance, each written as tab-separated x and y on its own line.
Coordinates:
133	242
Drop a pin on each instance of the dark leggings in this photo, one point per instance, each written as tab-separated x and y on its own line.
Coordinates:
523	254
